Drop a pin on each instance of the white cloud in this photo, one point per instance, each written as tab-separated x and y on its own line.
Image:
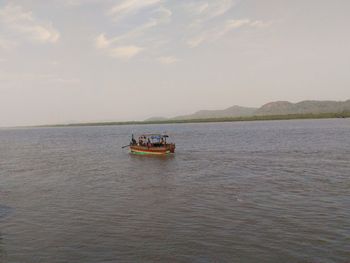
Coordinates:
206	10
197	40
168	60
220	31
233	24
7	43
43	34
202	13
230	24
128	7
218	8
159	16
260	24
16	20
125	52
119	46
197	28
102	42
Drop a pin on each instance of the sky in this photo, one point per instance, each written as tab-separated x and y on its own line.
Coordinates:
64	61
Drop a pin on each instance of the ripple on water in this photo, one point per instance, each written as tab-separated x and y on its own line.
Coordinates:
5	211
246	192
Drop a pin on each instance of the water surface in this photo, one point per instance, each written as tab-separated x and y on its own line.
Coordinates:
273	191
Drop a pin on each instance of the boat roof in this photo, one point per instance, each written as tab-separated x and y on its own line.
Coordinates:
154	135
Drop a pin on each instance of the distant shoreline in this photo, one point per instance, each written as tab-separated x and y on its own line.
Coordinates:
209	120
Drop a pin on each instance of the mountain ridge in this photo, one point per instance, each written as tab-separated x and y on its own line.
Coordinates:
234	111
270	108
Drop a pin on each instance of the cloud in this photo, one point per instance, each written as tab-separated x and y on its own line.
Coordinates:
159	16
7	44
202	14
219	8
76	3
260	24
117	51
39	33
128	7
119	46
168	60
206	10
201	21
125	52
220	31
197	40
102	42
18	21
237	23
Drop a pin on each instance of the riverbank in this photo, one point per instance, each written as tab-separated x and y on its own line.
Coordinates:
235	119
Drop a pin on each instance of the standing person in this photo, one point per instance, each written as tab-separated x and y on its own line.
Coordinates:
140	141
133	141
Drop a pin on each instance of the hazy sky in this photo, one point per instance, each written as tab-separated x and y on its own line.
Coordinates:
93	60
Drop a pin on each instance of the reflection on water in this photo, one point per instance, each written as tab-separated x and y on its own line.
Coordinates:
2	250
250	192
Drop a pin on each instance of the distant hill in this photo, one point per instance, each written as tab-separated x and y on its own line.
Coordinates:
303	107
234	111
271	108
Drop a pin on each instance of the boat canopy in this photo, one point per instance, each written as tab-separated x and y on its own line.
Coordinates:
155	136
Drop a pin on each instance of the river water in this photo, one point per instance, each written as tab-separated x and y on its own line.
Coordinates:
272	191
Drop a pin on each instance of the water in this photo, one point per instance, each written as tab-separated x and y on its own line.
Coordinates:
274	191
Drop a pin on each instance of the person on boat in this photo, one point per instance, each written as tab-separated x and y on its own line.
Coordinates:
149	143
133	141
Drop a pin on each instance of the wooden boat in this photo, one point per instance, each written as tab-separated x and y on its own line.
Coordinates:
151	144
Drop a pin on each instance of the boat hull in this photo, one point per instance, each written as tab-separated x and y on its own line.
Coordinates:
144	150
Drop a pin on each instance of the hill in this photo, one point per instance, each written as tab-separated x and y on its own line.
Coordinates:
234	111
272	108
303	107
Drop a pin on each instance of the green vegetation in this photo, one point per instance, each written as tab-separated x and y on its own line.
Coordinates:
234	119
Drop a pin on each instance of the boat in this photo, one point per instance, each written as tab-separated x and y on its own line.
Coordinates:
151	144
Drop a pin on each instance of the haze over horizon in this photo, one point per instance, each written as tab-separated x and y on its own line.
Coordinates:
88	60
